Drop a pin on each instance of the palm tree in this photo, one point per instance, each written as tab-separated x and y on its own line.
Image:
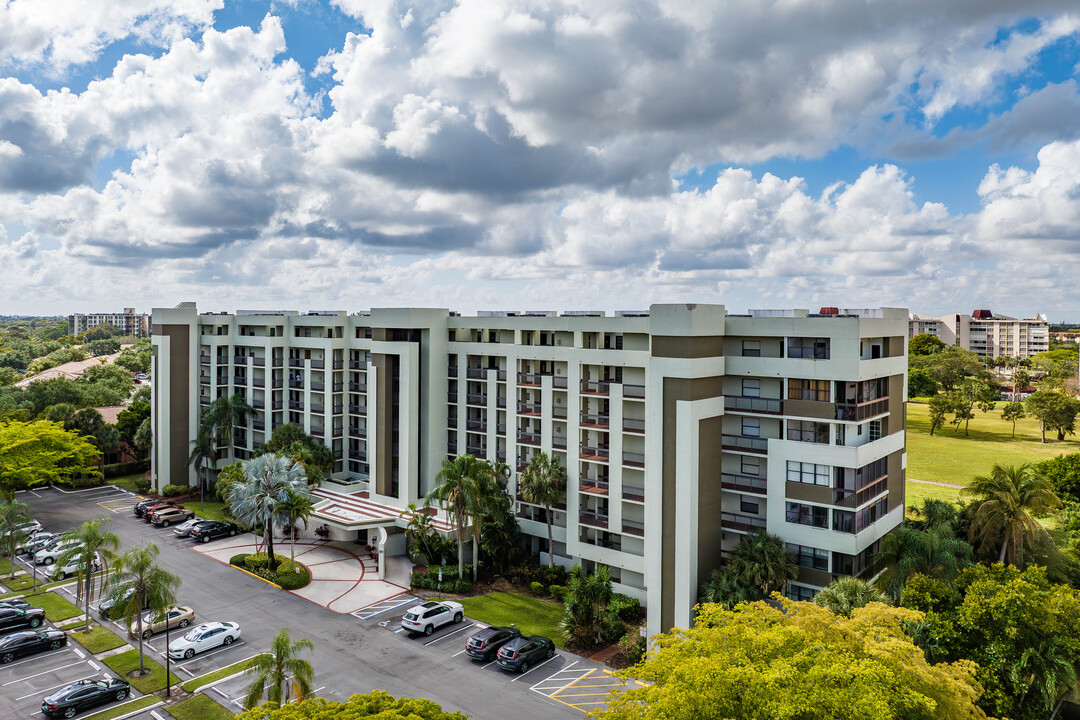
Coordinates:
1008	499
12	514
722	588
585	612
151	586
224	414
93	544
936	513
845	594
544	483
461	490
297	508
936	553
278	669
258	498
761	561
202	453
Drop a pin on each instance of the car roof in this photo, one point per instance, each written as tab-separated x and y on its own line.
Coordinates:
489	631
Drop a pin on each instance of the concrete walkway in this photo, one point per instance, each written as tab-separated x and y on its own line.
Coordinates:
341	580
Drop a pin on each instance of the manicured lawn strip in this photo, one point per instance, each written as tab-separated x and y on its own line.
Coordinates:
127	481
24	582
118	710
199	707
915	493
532	616
99	639
952	458
125	662
5	566
204	680
56	608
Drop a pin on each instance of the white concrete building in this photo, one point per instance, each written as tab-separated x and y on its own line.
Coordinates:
128	322
681	427
986	333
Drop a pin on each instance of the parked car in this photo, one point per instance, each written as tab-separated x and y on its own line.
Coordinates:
27	528
140	507
178	617
169	516
184	528
21	617
433	614
84	694
114	611
202	638
60	572
212	530
15	603
483	645
28	642
521	653
48	554
33	542
149	510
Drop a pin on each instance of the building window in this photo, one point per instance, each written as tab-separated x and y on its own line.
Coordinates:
749	506
843	521
810	557
808	473
817	390
751	348
751	387
808	348
751	466
807	431
875	430
812	515
800	593
751	427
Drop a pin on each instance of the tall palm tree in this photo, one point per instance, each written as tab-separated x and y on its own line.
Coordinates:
152	586
845	594
544	483
936	553
224	415
461	490
761	560
276	670
1008	499
93	544
585	606
202	453
724	589
12	514
297	508
258	498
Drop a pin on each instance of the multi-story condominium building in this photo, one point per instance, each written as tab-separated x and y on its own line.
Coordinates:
681	427
985	333
128	322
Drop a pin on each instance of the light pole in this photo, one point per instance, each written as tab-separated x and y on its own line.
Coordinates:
168	680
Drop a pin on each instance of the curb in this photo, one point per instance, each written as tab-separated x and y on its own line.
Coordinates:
143	709
255	576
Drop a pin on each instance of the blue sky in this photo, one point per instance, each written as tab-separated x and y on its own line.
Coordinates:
481	154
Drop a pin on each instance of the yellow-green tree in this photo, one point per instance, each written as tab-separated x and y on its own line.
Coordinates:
377	704
42	453
758	662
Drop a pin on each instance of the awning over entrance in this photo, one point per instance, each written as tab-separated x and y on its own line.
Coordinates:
357	511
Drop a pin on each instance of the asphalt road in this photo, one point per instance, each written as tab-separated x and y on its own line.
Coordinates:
351	655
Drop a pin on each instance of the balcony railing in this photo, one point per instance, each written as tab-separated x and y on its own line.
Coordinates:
532	379
318	364
862	411
357	432
356	364
558	442
500	429
239	380
634	425
559	412
258	362
277	405
500	402
204	379
741	523
277	383
476	399
853	500
633	527
318	431
476	426
451	397
358	409
500	375
528	408
358	454
636	392
745	443
559	382
203	400
636	494
479	451
593	519
339	364
769	406
296	405
595	387
452	371
338	386
522	465
633	459
339	409
296	362
239	359
594	453
451	421
594	486
258	404
528	438
338	431
318	385
276	362
743	483
258	425
297	384
258	382
476	373
318	408
600	421
204	359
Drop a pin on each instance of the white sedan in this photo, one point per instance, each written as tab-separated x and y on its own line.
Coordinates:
58	572
202	638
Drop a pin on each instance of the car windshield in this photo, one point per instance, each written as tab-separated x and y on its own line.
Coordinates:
194	634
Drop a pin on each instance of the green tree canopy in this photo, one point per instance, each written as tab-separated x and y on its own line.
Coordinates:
925	344
42	453
950	366
844	595
1064	472
276	672
1007	502
100	332
920	384
757	662
291	440
377	705
1054	410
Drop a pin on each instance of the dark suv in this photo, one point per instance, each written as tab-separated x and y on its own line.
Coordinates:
211	530
484	644
521	653
140	507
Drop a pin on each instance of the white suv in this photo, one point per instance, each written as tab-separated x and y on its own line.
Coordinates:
48	555
430	615
56	572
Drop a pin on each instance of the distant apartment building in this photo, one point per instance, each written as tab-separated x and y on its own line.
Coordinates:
128	322
681	427
985	333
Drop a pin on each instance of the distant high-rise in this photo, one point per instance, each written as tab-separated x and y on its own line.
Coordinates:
985	333
128	322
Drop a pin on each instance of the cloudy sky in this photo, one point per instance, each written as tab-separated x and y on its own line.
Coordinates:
547	154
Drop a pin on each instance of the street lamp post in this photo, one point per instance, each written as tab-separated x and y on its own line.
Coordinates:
168	680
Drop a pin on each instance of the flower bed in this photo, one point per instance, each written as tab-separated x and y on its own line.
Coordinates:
287	575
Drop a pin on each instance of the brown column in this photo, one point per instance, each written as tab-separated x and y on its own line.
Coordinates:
179	402
384	441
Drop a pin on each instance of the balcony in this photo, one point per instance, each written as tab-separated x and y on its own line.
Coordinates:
559	382
741	523
318	364
258	382
595	387
500	429
296	405
276	362
530	379
337	454
204	400
338	409
479	451
358	409
528	408
338	431
277	383
258	405
634	392
480	400
318	408
500	402
528	438
356	365
204	359
868	493
339	364
634	494
558	442
476	373
318	385
634	425
745	443
317	431
479	426
451	448
204	379
239	380
767	406
239	359
451	397
633	527
277	405
522	465
633	459
452	371
743	483
451	421
357	432
593	486
593	519
559	412
862	411
500	375
222	379
258	362
338	386
595	421
296	384
597	454
296	362
360	455
258	425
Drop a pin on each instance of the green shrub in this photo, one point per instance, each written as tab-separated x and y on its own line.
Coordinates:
634	646
284	566
628	609
558	592
294	580
239	560
256	561
450	582
142	485
174	490
527	574
125	468
537	588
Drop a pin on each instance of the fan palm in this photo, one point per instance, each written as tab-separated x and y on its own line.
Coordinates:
258	498
151	586
297	508
275	670
846	594
761	561
722	588
93	544
544	483
935	553
12	514
224	415
461	489
202	452
1008	499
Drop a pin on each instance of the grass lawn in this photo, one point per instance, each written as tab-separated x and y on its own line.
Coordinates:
204	680
127	481
119	710
56	608
99	639
952	458
125	662
210	510
199	707
532	616
25	582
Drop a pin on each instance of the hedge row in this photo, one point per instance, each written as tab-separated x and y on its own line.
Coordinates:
125	468
451	582
288	576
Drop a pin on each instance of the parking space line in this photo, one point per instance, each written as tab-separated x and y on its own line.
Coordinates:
208	653
37	657
432	642
78	652
44	692
535	668
94	665
358	614
45	672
